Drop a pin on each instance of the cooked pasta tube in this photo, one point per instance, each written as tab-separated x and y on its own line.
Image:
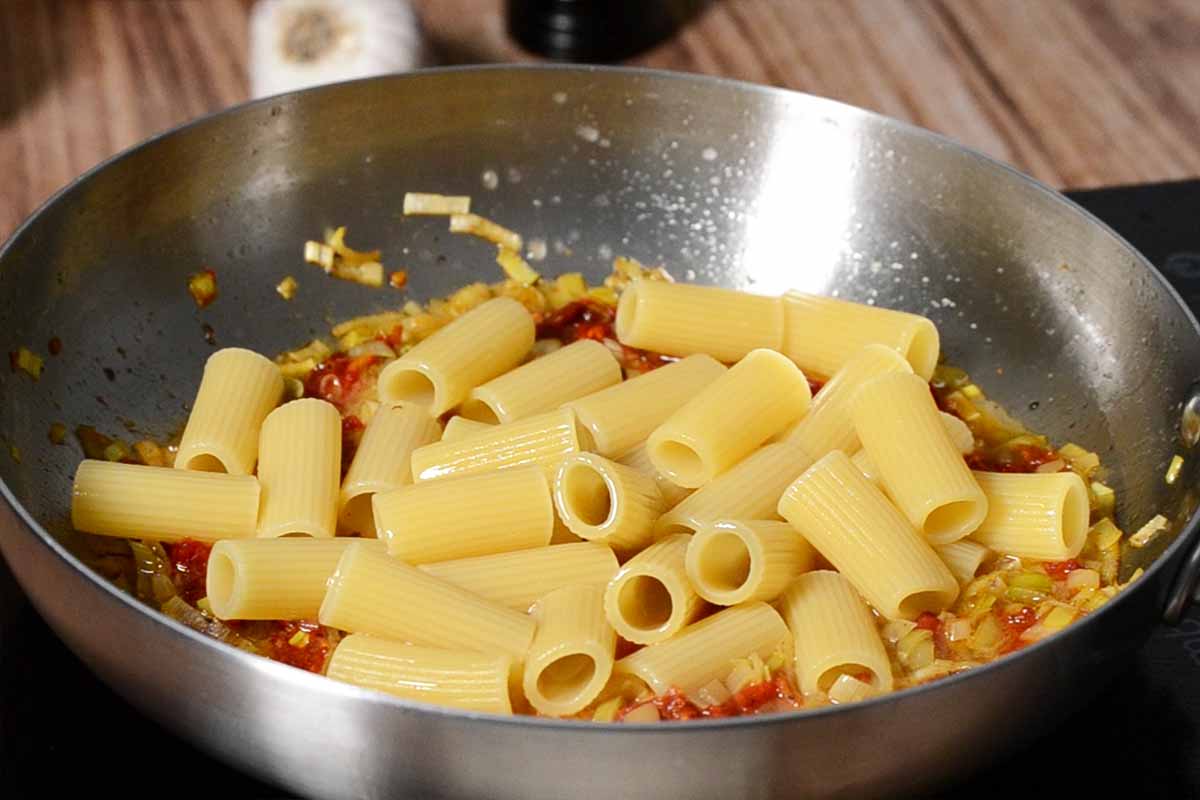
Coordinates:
371	592
758	397
650	598
519	578
603	501
923	472
455	678
828	425
272	578
543	440
1039	515
749	489
459	428
963	558
705	650
137	502
639	459
579	369
821	333
852	524
835	633
440	371
960	435
736	561
383	461
478	515
615	420
239	388
299	465
571	657
681	319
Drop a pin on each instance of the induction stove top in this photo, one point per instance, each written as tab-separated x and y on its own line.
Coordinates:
64	733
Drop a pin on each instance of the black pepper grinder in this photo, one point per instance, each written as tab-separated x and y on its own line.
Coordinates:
591	30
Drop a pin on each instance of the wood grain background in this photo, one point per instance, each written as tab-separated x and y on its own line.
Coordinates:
1079	93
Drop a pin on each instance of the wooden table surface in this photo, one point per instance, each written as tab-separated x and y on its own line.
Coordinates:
1079	93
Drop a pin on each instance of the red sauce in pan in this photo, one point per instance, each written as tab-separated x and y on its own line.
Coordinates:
776	694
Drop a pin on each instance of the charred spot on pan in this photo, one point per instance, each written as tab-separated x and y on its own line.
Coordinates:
110	373
210	335
55	346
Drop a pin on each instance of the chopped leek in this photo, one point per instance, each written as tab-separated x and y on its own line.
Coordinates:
419	203
1174	469
287	287
1036	581
607	711
515	267
1148	532
26	361
485	229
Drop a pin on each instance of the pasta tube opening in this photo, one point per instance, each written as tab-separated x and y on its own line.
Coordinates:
563	680
854	670
723	562
946	522
650	598
205	462
601	500
409	384
479	410
645	603
221	584
677	458
586	494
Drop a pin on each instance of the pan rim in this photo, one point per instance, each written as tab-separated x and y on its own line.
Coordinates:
312	683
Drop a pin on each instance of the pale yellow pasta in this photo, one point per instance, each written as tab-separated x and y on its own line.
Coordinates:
960	435
963	558
822	333
835	633
748	490
371	592
519	578
828	425
383	461
455	678
239	388
862	460
602	501
579	369
615	420
1043	516
272	578
730	418
571	656
459	428
132	501
478	515
681	319
543	440
299	466
650	598
705	650
440	371
918	464
639	459
854	526
736	561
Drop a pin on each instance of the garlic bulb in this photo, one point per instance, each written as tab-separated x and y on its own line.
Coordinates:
299	43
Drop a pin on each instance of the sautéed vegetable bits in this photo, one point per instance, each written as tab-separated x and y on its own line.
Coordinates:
629	502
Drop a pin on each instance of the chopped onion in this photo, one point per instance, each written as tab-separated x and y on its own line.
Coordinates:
1083	579
643	713
848	689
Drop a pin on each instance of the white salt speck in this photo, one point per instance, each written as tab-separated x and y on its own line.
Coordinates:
537	202
605	251
924	279
914	256
999	270
889	154
896	265
490	179
870	301
555	200
587	133
987	339
708	154
601	201
559	97
876	266
894	245
896	279
1050	331
715	180
947	302
974	327
536	250
514	175
690	275
604	143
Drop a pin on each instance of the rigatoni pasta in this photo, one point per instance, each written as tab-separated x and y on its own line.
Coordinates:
272	578
439	372
462	679
737	561
494	512
133	501
615	420
237	391
823	333
383	461
579	369
760	396
672	493
650	598
682	319
371	592
299	462
924	473
963	558
705	650
860	532
834	633
603	501
519	578
459	428
571	656
543	440
1042	516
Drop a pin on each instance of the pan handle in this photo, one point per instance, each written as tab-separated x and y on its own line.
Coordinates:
1186	587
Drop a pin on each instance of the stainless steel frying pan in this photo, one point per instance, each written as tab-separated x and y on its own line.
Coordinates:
721	182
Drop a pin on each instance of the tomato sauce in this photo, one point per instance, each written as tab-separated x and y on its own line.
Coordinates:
1015	623
340	379
771	695
1060	569
189	568
1021	458
300	643
591	319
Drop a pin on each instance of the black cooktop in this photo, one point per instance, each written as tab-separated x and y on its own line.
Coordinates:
63	733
